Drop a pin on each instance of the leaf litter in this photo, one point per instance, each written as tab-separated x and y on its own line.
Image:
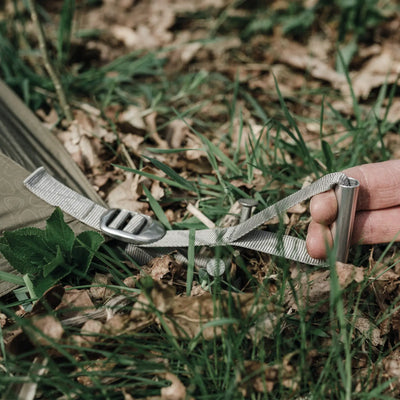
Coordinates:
95	145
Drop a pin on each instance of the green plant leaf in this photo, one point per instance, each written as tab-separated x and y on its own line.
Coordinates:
47	256
58	233
57	261
25	249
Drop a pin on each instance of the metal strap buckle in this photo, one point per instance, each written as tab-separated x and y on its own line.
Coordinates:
131	227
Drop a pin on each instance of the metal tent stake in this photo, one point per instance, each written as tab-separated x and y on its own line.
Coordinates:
346	195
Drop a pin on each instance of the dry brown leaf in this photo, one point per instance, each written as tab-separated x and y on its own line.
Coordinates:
88	335
348	273
134	116
177	131
126	194
49	328
3	320
49	120
176	391
82	140
313	288
380	69
369	330
126	35
75	302
182	54
160	267
298	56
97	365
393	116
391	366
89	152
300	208
264	376
132	142
186	316
101	292
157	190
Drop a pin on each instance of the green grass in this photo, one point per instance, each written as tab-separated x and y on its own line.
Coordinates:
312	350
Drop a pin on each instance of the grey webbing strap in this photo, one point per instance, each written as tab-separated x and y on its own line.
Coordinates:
243	235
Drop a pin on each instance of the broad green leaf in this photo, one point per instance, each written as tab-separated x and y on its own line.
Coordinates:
41	284
27	244
57	261
58	233
21	264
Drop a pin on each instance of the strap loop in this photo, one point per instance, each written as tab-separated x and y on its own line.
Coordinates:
153	240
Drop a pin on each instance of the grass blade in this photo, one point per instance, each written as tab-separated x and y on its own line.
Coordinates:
158	211
172	174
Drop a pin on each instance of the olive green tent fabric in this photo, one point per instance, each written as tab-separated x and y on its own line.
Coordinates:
25	140
19	208
24	146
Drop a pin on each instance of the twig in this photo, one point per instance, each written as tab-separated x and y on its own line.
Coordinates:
50	70
200	216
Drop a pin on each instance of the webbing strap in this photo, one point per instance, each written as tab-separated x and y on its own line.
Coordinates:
244	235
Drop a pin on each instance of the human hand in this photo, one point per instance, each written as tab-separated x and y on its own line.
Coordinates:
377	218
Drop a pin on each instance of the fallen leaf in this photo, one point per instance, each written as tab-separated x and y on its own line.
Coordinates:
101	292
126	194
89	333
298	56
348	273
391	366
313	287
134	116
126	35
369	330
132	142
264	376
177	130
176	391
186	316
161	266
47	329
380	69
393	114
3	320
97	370
75	302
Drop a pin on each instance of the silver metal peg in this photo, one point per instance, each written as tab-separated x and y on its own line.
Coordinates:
248	206
342	228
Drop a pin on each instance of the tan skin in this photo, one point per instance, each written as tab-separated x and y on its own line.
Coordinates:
378	208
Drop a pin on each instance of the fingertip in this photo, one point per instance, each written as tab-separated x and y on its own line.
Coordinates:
323	207
318	237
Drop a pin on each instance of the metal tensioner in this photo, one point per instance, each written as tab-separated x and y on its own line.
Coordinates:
131	227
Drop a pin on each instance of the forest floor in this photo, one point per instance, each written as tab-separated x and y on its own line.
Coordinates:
178	109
